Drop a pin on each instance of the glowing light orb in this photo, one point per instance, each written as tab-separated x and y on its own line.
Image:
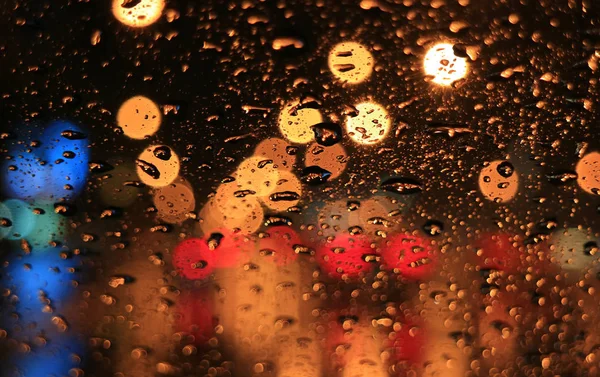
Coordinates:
22	218
144	13
333	159
193	259
277	150
445	67
157	166
234	211
139	117
573	249
346	256
350	62
24	177
230	249
257	175
411	256
49	226
65	147
499	181
588	173
286	193
173	202
370	126
295	123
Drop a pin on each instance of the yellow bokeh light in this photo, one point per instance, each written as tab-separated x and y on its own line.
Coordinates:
257	175
588	173
350	62
139	117
282	196
295	124
138	13
496	187
157	171
370	126
445	67
229	210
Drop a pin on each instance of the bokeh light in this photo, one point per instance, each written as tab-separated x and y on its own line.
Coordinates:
286	192
443	65
138	13
22	218
157	166
193	259
295	124
345	256
139	117
409	255
350	62
499	181
276	149
588	173
574	249
66	149
175	201
370	125
256	175
333	159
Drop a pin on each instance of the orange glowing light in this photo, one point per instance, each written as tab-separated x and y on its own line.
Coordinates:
139	117
144	13
445	67
350	62
370	126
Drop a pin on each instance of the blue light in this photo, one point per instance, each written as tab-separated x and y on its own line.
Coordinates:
42	270
49	226
67	159
61	354
22	218
24	176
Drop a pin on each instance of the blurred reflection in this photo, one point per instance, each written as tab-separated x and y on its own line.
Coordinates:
137	13
21	219
370	125
350	62
139	117
443	65
574	249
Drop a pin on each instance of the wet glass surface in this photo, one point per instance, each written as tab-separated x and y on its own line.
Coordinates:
299	188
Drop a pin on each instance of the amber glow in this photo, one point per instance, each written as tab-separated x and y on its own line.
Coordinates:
139	117
175	201
445	67
350	62
370	126
333	159
588	173
496	187
281	198
295	123
148	164
144	13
